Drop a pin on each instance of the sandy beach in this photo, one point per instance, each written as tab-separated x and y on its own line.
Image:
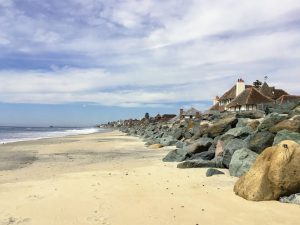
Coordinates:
111	178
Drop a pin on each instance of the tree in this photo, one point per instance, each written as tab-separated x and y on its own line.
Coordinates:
147	116
257	83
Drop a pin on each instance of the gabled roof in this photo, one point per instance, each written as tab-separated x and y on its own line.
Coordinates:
288	98
278	93
231	93
250	96
266	90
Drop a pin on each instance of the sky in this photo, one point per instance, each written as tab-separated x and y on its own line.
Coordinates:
84	62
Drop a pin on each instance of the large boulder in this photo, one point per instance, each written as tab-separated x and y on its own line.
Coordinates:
207	155
230	148
177	155
199	163
293	199
258	141
178	134
201	145
238	132
167	141
221	126
270	120
291	125
286	135
241	162
255	114
275	173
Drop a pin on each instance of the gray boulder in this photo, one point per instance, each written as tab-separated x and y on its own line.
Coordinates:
211	172
270	120
256	114
208	155
178	134
201	145
293	199
167	141
259	141
230	148
198	164
241	161
180	144
177	155
238	132
222	125
286	135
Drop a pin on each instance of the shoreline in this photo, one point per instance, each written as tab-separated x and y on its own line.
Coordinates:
111	178
104	130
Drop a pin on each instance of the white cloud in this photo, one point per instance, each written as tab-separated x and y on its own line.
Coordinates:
134	53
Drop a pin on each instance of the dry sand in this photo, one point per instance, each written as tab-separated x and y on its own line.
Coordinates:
111	178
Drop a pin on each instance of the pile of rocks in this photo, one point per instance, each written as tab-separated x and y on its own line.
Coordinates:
221	140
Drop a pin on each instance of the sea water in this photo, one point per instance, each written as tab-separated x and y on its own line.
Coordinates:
15	134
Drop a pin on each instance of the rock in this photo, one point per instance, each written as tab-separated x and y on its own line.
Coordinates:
238	132
296	117
178	134
221	126
177	155
167	141
274	174
241	161
197	164
200	145
187	135
291	125
155	146
286	135
219	148
210	172
242	122
256	114
293	199
230	148
202	131
253	124
180	144
270	120
260	140
207	155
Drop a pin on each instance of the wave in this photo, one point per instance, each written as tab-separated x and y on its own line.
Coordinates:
28	135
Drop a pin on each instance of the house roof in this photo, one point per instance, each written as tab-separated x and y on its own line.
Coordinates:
231	93
217	107
266	90
288	98
278	93
250	96
191	112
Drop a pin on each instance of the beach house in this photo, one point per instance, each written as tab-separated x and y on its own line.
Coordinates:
243	97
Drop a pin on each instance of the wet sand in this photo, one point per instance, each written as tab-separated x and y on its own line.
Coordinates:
110	178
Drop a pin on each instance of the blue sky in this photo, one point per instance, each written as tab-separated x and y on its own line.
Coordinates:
81	62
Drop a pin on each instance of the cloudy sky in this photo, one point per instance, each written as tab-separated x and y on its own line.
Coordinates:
83	61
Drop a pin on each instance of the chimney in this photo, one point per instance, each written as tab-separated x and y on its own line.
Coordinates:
240	87
180	113
216	100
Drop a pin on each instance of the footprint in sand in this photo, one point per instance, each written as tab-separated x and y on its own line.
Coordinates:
14	220
35	197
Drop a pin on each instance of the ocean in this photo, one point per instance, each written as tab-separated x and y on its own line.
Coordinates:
15	134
